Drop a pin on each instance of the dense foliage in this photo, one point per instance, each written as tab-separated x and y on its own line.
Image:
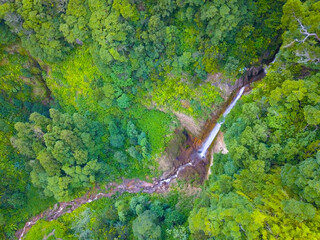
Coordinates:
125	217
103	53
189	36
63	151
266	187
89	90
21	93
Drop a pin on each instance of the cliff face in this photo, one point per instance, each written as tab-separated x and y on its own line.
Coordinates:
252	74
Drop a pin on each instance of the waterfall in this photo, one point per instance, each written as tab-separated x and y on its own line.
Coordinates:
203	150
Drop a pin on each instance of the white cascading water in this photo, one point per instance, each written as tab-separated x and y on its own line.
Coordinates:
203	150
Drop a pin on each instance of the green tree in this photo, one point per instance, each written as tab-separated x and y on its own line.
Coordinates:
299	210
303	179
123	101
81	225
62	150
145	226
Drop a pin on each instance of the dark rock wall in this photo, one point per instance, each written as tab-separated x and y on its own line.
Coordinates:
251	75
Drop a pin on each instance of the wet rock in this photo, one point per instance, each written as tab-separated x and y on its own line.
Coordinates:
78	41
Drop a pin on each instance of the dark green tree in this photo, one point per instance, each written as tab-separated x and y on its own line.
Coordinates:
64	151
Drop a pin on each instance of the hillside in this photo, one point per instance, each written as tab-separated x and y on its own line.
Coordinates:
105	106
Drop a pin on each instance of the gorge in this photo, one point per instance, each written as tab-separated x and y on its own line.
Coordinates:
136	185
